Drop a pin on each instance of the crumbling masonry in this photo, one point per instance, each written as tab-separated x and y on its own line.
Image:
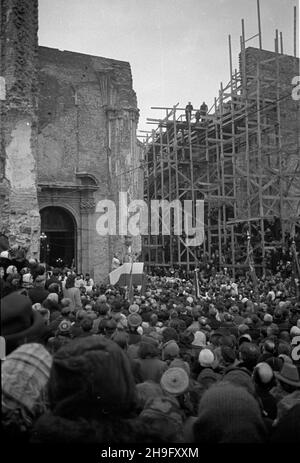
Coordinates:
68	140
19	211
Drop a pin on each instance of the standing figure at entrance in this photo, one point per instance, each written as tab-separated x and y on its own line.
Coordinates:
89	283
72	293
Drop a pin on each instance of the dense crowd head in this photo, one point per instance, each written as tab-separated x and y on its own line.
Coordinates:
90	362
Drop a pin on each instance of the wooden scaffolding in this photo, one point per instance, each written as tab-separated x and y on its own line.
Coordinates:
242	158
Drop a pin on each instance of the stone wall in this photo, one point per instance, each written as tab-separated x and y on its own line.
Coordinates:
87	121
19	212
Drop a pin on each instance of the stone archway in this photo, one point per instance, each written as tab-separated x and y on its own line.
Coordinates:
59	246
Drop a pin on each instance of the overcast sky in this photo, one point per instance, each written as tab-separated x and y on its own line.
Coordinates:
178	49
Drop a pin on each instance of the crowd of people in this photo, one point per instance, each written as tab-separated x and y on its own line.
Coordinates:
166	363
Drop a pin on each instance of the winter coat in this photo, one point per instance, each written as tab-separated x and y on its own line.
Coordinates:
74	295
38	294
148	369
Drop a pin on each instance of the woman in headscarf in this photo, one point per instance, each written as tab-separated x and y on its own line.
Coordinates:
25	373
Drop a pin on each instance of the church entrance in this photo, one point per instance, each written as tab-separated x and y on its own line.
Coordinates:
58	237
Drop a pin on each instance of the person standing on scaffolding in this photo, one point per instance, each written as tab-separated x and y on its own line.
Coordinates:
188	111
203	110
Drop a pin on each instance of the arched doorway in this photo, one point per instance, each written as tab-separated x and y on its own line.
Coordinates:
58	237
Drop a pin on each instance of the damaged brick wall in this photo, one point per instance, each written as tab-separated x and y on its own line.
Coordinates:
19	212
87	122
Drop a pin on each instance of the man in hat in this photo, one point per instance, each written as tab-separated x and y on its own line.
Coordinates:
19	323
134	320
287	393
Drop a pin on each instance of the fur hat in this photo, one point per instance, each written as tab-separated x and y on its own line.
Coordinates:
229	414
134	320
148	390
19	322
163	419
170	350
91	377
175	381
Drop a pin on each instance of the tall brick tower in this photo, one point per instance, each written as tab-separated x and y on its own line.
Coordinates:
19	212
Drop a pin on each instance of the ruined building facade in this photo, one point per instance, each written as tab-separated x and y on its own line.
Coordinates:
69	141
